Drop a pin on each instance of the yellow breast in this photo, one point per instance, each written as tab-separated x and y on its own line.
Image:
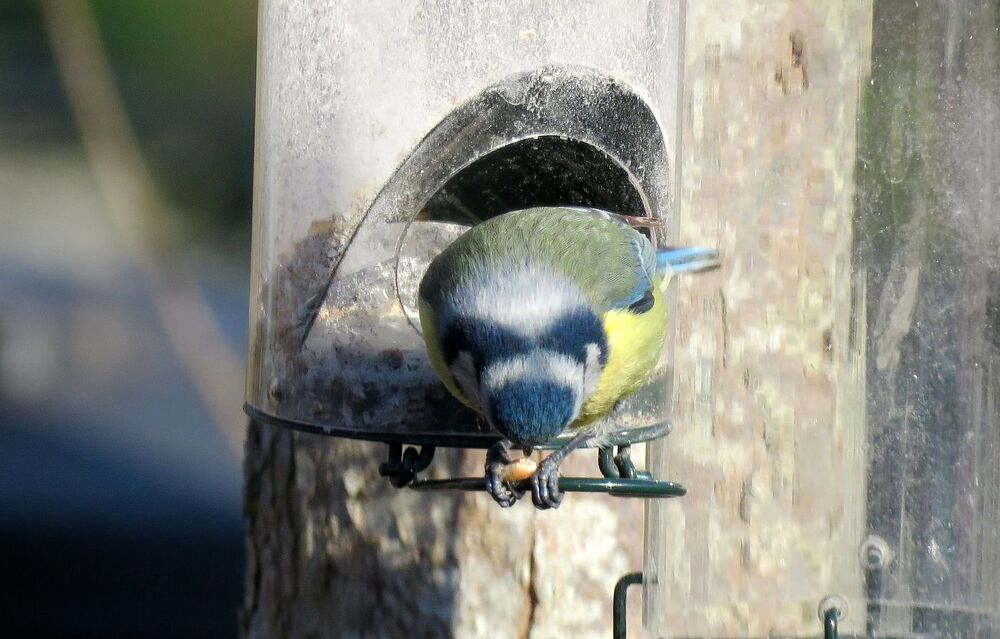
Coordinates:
634	344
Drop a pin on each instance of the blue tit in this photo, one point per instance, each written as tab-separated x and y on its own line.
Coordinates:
542	320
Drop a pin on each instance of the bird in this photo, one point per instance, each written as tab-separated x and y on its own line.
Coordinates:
542	320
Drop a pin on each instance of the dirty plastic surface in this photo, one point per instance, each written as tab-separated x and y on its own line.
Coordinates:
383	134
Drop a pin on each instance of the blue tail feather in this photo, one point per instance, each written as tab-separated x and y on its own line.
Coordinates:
687	259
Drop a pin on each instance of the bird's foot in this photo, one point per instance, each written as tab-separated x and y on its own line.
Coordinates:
497	486
496	483
545	485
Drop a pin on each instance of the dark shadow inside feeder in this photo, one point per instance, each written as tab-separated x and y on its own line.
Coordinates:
546	170
539	171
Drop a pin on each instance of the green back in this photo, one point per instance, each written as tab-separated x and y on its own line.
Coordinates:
612	263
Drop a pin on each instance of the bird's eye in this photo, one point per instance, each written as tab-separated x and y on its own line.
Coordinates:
574	333
642	304
454	340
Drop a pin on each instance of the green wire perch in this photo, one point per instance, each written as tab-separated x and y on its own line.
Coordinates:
621	487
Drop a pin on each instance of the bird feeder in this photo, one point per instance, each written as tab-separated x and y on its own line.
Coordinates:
385	135
838	407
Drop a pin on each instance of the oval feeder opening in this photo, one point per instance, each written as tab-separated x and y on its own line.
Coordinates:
547	170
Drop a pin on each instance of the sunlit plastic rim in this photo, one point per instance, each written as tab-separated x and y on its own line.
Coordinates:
473	440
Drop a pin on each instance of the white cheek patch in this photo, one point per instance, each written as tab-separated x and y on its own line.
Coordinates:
592	370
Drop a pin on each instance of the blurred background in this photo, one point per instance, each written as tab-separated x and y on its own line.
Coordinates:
126	148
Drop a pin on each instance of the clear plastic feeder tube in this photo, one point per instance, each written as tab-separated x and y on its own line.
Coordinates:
387	129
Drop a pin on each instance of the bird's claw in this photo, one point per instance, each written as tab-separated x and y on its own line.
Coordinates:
545	485
497	486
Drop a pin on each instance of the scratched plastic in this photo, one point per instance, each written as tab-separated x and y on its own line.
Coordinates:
384	131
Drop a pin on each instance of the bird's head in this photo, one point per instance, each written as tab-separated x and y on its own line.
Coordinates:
532	397
529	359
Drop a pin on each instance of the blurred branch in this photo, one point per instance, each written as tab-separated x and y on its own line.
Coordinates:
140	216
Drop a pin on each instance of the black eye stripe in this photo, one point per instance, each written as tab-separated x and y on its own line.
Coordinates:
569	335
573	332
483	340
454	340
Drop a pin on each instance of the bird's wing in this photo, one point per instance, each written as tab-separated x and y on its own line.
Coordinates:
615	263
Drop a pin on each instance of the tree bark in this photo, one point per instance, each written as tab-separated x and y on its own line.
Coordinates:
334	551
768	438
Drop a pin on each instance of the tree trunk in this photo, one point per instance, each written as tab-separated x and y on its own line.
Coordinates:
334	551
838	380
